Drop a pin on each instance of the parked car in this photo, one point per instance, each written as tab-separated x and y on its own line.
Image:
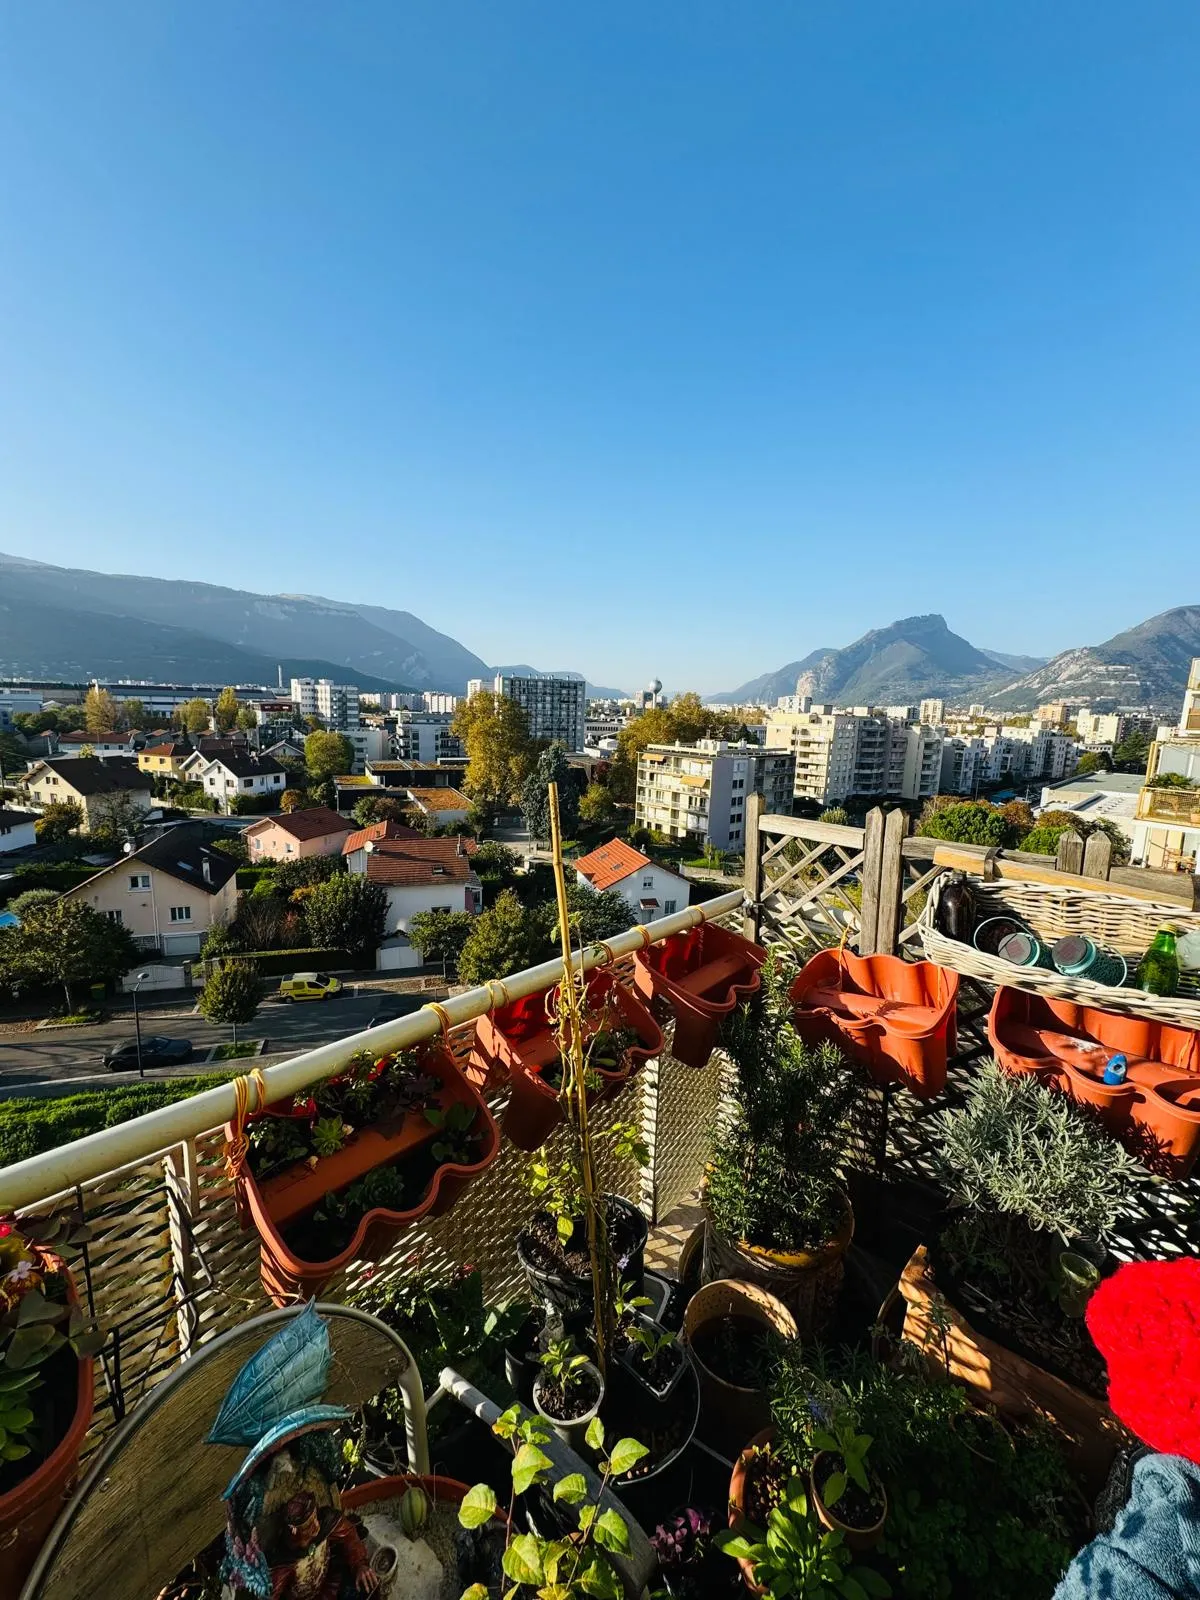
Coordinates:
309	986
157	1051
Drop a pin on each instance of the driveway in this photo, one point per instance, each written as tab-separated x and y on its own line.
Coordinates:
70	1057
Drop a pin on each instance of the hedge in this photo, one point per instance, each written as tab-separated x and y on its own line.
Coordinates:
28	1126
32	875
247	877
282	963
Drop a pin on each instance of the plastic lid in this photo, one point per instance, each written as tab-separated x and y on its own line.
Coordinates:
1019	948
1071	951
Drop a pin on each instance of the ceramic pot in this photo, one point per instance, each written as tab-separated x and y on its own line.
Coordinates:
703	974
29	1511
856	1539
737	1497
807	1281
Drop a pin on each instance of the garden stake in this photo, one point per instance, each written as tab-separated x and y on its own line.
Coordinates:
569	1023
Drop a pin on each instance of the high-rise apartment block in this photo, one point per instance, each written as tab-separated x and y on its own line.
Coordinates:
555	704
933	712
858	752
698	792
1100	730
426	737
335	703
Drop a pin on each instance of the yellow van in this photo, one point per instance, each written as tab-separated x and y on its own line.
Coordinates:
309	986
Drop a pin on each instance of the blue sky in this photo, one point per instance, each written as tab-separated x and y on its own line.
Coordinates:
673	338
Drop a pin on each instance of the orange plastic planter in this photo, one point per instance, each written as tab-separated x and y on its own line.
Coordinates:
29	1511
897	1018
1155	1113
703	973
281	1200
517	1041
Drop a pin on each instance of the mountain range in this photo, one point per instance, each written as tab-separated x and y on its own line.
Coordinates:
919	656
63	622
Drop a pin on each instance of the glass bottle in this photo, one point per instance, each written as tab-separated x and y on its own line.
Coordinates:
1158	970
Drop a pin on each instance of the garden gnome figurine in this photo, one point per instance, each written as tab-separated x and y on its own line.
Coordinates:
1145	1321
287	1537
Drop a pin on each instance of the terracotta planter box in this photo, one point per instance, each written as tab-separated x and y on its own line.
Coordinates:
1015	1386
29	1511
703	974
516	1043
1155	1113
897	1018
283	1199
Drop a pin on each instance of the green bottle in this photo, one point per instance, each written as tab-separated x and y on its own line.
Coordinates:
1158	970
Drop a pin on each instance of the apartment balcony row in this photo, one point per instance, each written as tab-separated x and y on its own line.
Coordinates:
1170	805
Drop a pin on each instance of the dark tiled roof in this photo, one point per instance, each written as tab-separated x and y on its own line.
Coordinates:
242	765
181	853
88	775
14	819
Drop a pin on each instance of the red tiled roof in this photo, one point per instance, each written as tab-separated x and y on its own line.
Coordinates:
415	863
377	831
166	749
610	863
316	822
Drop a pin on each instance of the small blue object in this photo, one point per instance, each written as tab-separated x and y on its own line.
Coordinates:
1114	1069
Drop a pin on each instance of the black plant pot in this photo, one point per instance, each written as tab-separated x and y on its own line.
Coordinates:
522	1356
627	1370
658	1494
567	1292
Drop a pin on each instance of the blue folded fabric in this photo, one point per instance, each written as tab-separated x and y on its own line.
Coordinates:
1153	1550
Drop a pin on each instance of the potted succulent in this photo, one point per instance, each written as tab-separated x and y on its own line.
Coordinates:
46	1383
846	1494
703	974
778	1212
552	1248
337	1175
567	1392
793	1555
520	1043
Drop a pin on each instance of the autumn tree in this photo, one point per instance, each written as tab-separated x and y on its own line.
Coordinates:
58	821
99	710
686	719
596	805
247	719
494	731
292	800
440	936
505	938
379	808
114	818
133	713
194	716
327	754
225	712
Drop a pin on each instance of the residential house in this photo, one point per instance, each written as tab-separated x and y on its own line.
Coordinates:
17	830
169	893
101	745
354	846
441	806
647	888
419	774
317	831
230	777
284	750
698	792
425	736
90	782
418	875
165	760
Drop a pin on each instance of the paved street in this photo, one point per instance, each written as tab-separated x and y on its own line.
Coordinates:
71	1056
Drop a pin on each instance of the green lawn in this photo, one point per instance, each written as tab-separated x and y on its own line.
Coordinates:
235	1052
28	1126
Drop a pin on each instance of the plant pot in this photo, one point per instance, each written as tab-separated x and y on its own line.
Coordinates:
730	1410
807	1281
522	1361
703	975
738	1483
895	1017
288	1197
634	1371
571	1430
518	1043
567	1292
29	1510
998	1377
856	1539
651	1496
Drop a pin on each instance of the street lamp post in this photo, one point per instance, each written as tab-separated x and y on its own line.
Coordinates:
137	1021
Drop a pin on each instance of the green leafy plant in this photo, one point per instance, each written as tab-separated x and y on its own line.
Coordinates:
570	1568
842	1439
795	1556
565	1368
559	1187
455	1124
775	1175
329	1135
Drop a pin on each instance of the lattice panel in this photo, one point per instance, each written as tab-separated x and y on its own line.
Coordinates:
811	896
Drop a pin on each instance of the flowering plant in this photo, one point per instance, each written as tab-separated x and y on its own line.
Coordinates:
1145	1321
36	1321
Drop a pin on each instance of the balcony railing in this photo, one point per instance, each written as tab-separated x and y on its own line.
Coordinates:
1170	805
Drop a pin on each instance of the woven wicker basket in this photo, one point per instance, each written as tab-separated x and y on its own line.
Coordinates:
1111	920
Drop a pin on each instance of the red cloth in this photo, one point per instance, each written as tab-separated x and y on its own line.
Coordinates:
1145	1321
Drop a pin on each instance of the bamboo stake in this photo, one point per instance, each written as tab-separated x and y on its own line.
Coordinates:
570	1029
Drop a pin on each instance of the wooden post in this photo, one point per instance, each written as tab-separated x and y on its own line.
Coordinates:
753	878
1070	853
183	1201
891	883
871	867
1097	855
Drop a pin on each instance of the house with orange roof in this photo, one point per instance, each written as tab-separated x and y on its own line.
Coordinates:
649	889
316	831
418	875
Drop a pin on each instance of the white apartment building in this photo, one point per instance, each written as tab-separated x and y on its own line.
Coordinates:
555	704
434	700
840	753
1167	830
698	792
933	712
1104	730
1005	755
335	703
425	736
370	744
